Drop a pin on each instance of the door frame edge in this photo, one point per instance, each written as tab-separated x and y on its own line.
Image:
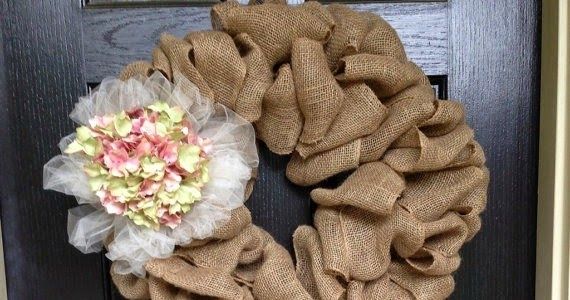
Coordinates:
553	212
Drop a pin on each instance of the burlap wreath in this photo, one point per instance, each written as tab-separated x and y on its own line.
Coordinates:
333	87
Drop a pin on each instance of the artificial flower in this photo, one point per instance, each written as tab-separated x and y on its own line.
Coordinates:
132	164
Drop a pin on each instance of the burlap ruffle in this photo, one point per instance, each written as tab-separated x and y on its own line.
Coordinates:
333	87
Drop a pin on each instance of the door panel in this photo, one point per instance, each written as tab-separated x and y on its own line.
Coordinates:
53	49
495	71
111	44
44	73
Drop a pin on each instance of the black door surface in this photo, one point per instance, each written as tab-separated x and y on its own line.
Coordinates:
483	52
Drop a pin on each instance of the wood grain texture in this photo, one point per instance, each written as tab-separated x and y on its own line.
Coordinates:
150	2
147	3
44	77
277	205
8	188
115	37
495	71
155	3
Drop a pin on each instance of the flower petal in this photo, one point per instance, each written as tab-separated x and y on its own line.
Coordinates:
123	124
188	156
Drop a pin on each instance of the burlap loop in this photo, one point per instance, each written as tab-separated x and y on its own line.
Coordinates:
226	255
333	87
349	32
373	187
386	75
471	207
447	116
130	286
352	248
432	262
142	68
179	55
421	287
240	218
406	231
281	123
384	286
428	200
276	278
382	40
159	289
319	96
310	171
446	234
310	266
403	116
223	68
431	153
181	274
259	78
276	26
360	115
255	2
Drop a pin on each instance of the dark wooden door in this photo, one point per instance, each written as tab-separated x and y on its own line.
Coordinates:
482	52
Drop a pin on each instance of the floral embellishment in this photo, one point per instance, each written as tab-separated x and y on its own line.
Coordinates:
153	165
147	164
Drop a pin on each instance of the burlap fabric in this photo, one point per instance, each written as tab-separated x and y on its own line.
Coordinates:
333	87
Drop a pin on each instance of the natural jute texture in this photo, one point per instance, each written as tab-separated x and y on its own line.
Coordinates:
333	87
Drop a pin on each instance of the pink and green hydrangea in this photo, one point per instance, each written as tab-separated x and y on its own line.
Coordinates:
147	164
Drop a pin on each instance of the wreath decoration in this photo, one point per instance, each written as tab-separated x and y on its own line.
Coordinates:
166	156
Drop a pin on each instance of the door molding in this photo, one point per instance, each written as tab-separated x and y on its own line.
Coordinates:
553	240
